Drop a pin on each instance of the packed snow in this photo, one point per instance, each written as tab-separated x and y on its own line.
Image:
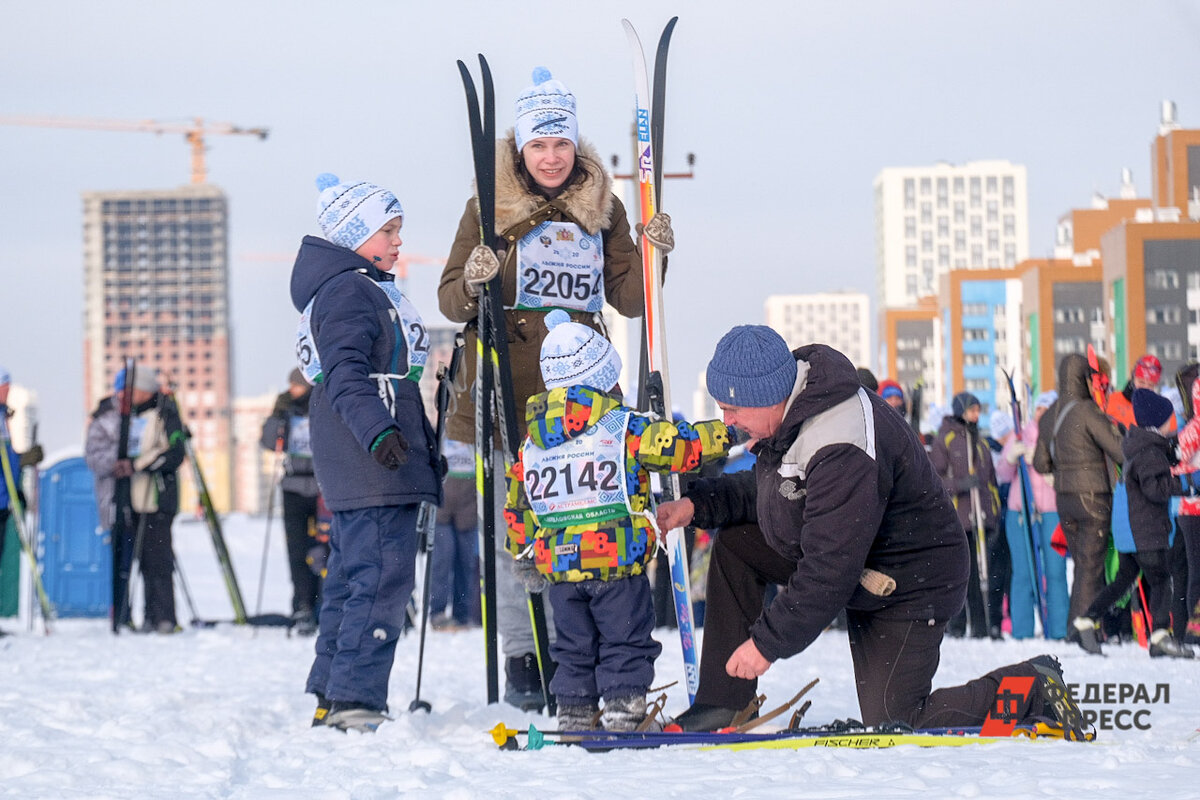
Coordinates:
221	712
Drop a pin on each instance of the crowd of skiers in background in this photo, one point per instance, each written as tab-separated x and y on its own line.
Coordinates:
1108	476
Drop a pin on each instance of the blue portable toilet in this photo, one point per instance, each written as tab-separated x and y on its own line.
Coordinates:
73	549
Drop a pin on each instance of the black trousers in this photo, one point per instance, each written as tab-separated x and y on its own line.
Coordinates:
157	565
894	659
299	513
1154	566
1086	521
1189	588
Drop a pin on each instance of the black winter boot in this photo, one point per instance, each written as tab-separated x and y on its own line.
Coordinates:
523	682
1056	697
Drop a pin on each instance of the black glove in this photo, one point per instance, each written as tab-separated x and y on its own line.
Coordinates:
966	483
390	449
33	456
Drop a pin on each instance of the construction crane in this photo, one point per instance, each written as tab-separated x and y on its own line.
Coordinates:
193	132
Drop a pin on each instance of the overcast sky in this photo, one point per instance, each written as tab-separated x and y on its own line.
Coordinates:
790	107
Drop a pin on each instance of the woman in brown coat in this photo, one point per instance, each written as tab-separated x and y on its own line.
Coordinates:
566	243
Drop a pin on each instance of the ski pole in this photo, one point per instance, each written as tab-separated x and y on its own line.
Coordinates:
187	590
426	529
275	480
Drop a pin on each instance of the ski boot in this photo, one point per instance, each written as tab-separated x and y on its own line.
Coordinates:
1089	635
1163	644
523	683
351	716
322	711
1057	703
705	717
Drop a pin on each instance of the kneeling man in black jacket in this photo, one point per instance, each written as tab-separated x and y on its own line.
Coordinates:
843	508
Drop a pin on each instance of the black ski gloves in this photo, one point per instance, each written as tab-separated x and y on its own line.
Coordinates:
390	449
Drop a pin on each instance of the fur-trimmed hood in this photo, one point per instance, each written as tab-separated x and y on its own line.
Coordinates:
588	202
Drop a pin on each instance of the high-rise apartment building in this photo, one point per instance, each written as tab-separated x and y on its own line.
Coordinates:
156	287
931	220
838	319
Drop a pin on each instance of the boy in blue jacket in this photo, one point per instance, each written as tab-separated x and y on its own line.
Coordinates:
363	346
579	515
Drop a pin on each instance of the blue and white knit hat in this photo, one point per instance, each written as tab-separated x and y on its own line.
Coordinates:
547	108
574	354
351	213
1000	424
752	367
1045	399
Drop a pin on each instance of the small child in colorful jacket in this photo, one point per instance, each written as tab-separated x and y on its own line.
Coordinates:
580	517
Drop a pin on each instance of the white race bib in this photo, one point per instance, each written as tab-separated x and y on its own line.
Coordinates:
137	427
403	312
299	438
582	480
460	458
559	265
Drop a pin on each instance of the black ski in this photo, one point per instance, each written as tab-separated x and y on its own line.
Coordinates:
122	502
213	522
494	398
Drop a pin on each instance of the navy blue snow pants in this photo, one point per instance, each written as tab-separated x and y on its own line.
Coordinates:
369	581
604	646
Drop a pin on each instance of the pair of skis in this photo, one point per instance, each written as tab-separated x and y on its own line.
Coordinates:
493	389
650	114
494	400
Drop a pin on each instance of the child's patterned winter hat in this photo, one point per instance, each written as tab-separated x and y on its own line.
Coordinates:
574	355
351	213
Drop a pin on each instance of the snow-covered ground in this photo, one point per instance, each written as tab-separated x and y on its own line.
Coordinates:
221	713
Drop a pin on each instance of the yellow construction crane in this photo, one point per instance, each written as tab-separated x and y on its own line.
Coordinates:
193	132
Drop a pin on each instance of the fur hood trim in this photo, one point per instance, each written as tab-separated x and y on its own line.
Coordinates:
589	203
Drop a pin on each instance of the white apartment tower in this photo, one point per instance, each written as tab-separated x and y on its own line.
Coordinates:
838	319
930	220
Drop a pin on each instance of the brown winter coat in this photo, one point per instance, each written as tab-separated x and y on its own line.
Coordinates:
588	203
1085	437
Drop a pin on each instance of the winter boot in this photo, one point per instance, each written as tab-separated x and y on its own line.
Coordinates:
704	717
1057	703
322	711
1192	632
1089	634
1163	644
304	621
625	713
350	716
523	683
579	715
